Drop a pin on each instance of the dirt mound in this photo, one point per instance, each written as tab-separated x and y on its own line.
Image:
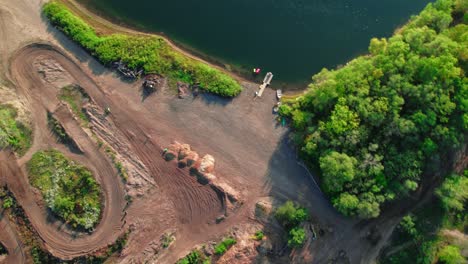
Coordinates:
204	170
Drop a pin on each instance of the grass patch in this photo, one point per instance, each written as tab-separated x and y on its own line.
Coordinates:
58	129
259	235
224	245
150	54
167	240
121	170
13	134
75	97
68	188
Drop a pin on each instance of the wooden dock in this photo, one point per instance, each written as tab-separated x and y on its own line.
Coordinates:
266	82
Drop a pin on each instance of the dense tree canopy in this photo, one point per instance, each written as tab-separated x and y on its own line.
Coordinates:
375	126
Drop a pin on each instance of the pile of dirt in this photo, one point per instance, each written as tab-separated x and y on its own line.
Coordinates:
52	72
204	169
153	82
183	90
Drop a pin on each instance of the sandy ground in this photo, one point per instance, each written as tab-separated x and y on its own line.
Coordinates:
252	155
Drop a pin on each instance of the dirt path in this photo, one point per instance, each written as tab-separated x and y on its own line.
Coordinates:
67	244
10	240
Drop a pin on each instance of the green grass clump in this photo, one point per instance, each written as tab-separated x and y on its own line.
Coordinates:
68	188
259	235
75	97
195	257
224	245
151	54
13	134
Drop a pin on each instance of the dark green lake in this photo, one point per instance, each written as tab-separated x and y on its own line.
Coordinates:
291	38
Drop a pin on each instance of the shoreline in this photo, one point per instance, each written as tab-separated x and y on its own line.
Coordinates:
106	25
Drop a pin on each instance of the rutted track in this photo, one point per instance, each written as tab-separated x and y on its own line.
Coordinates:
192	201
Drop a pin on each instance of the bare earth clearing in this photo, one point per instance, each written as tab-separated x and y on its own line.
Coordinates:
251	150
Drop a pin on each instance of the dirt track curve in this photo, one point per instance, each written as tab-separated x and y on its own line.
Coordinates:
251	153
194	200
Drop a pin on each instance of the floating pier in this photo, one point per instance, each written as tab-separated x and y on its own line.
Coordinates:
266	82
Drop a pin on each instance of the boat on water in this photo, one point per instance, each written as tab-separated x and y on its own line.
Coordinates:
279	94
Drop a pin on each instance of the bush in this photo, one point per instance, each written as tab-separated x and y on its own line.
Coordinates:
408	225
451	255
7	202
13	133
259	235
68	188
224	245
290	215
296	237
152	54
194	257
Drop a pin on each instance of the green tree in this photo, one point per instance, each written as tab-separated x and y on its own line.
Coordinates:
408	225
451	255
346	203
337	169
290	214
296	237
454	192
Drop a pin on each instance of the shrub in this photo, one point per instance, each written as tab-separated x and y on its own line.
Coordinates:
290	215
259	235
7	202
296	237
13	133
451	255
224	245
194	257
152	54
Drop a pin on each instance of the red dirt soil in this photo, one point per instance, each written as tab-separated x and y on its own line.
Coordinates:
252	155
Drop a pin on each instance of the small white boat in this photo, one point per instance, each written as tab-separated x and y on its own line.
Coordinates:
279	94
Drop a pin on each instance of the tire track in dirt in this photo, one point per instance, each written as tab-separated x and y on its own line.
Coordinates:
193	202
58	239
10	240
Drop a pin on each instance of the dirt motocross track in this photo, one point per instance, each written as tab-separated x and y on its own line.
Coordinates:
251	150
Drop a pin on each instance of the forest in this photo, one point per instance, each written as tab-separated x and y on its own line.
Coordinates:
375	128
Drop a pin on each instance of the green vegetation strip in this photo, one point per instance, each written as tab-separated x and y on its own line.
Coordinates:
374	127
151	54
75	97
13	134
68	188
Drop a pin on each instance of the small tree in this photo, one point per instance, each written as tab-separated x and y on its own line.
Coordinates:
296	237
451	255
290	214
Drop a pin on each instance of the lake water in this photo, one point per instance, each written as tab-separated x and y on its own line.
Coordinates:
291	38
